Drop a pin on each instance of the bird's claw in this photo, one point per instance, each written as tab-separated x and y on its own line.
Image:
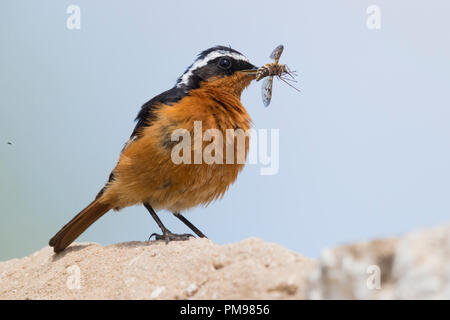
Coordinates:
169	236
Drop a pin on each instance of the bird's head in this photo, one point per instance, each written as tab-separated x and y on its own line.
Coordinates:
219	67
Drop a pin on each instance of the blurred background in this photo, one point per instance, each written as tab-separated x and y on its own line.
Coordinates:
364	148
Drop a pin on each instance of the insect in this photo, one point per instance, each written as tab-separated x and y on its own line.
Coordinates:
270	70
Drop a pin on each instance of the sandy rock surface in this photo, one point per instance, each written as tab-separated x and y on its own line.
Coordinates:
194	269
414	266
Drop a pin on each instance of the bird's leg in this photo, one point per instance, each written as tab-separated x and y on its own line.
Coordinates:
189	224
166	235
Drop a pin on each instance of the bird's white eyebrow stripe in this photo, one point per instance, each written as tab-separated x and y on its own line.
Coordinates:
204	61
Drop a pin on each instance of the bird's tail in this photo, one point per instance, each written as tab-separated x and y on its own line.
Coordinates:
78	224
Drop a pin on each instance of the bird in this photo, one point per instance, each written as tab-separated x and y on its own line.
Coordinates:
208	91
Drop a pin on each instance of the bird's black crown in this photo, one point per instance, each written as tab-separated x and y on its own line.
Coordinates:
214	62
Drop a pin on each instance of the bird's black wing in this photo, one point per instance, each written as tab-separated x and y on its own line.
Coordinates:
147	114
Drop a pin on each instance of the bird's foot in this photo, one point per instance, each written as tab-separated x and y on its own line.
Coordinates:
169	236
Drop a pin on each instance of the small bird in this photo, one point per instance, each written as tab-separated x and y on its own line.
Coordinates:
208	91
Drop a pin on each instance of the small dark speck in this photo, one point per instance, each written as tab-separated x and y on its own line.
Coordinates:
9	142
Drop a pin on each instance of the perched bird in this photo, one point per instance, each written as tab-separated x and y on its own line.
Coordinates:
208	91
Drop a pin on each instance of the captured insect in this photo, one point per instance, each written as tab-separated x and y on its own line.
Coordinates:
270	70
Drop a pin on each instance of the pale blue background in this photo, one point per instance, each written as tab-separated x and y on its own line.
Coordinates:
364	148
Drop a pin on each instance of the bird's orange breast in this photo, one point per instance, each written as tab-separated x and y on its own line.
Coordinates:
146	171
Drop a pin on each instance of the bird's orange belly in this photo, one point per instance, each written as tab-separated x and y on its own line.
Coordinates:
147	172
194	185
175	187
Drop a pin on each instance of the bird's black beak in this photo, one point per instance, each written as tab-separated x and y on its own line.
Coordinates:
250	71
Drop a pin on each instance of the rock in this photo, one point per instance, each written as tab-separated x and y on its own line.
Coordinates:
194	269
415	266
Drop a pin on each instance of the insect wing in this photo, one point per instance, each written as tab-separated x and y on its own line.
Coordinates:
266	91
276	53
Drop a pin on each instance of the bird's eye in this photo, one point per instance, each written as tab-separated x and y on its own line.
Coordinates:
225	63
